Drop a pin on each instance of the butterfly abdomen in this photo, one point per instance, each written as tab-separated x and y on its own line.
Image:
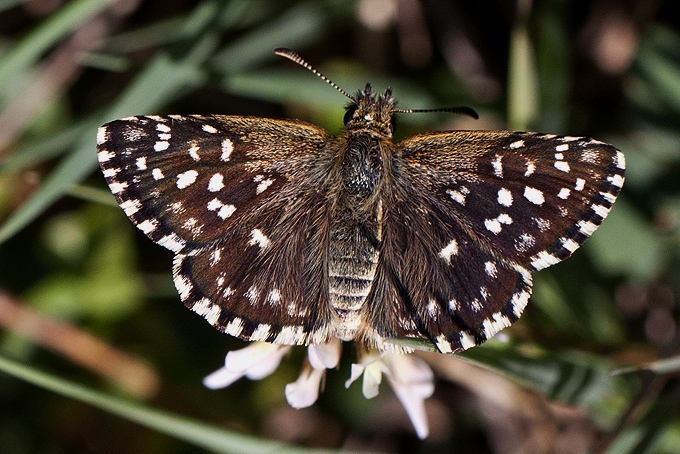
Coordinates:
355	232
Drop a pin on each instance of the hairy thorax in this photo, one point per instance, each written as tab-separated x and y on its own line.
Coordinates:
355	232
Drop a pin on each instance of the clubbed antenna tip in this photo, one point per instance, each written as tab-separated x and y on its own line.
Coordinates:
289	54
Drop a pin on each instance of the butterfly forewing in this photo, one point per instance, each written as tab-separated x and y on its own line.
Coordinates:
187	181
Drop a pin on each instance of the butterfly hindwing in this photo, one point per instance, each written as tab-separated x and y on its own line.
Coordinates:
433	281
263	283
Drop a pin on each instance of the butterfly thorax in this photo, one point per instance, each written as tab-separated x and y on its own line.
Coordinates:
357	216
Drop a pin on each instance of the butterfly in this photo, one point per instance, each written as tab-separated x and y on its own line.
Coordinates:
283	233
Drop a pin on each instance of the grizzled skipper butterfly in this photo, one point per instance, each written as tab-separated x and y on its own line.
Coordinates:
285	234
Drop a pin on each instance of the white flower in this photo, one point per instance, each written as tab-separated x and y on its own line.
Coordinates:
305	390
411	379
256	361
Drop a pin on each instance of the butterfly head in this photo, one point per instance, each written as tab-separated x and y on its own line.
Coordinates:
371	111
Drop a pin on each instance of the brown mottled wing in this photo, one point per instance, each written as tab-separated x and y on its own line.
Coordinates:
470	215
225	194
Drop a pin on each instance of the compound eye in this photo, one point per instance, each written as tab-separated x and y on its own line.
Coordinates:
349	113
393	123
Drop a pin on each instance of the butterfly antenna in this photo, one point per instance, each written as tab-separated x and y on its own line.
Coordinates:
289	54
456	110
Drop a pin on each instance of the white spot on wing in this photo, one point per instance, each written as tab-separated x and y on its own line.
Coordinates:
620	160
259	238
493	226
570	245
131	207
616	180
186	179
117	188
534	195
227	149
193	152
504	197
562	166
517	144
110	173
141	163
162	128
157	174
497	166
432	308
226	211
234	327
525	242
466	341
104	156
601	211
161	145
564	193
172	242
450	250
215	256
263	186
443	345
456	196
491	269
261	332
223	210
543	260
562	147
209	129
274	296
102	135
580	184
454	305
216	182
542	224
148	226
531	167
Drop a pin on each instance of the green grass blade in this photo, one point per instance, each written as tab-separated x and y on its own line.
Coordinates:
29	50
159	83
191	431
295	28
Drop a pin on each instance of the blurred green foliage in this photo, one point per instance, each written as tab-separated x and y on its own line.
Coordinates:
68	253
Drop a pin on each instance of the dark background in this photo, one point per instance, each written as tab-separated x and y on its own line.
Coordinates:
86	296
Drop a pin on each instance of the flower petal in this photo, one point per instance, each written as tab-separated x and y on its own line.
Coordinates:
357	370
325	356
372	380
260	357
305	390
221	378
413	382
255	361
